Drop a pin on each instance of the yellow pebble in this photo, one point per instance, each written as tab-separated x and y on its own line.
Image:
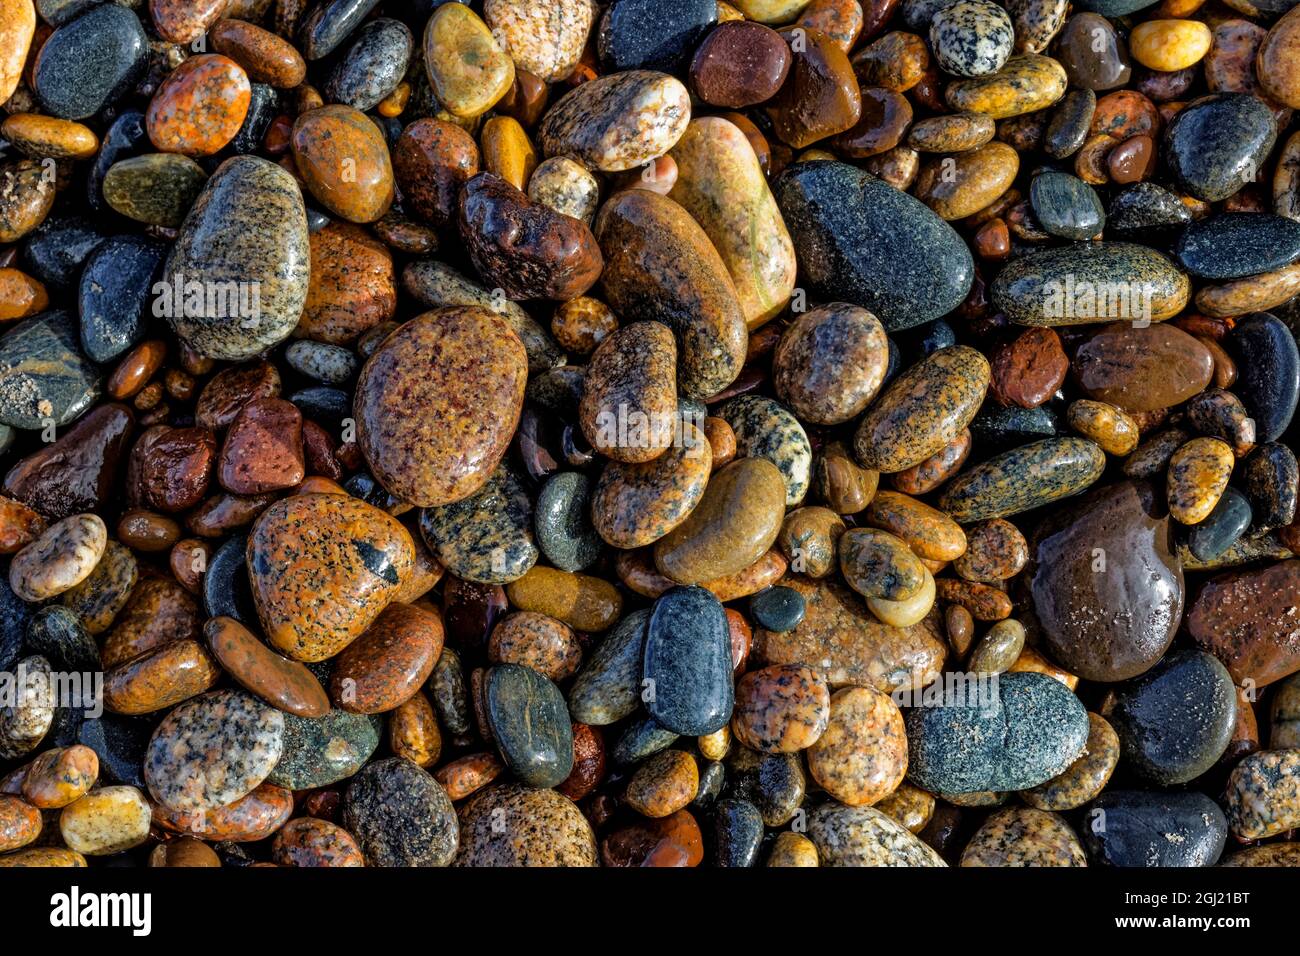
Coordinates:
1169	45
507	151
392	105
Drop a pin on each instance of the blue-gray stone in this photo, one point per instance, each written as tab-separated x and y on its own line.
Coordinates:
373	65
1271	476
1139	828
1268	373
329	24
563	522
777	608
90	62
120	743
1176	720
863	241
1066	206
530	723
59	247
653	34
737	833
125	138
115	293
226	590
1226	523
1011	734
608	688
688	662
43	375
1219	143
1233	245
1144	208
640	739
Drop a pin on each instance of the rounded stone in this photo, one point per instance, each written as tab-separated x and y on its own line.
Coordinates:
342	157
199	107
62	557
971	37
400	815
513	825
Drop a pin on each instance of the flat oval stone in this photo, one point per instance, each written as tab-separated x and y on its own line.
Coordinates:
342	157
448	450
879	565
213	750
971	37
862	756
265	57
29	709
922	410
282	683
1032	731
629	399
467	69
1236	244
661	266
961	185
90	62
387	665
637	504
108	820
115	289
1027	82
721	184
400	815
329	24
62	557
250	818
1144	828
1276	57
1216	144
373	65
158	611
1198	473
1024	478
514	825
530	724
486	538
1226	523
765	429
155	680
1142	368
863	836
734	524
199	107
738	64
1175	721
43	375
247	227
688	659
1091	53
1066	206
1114	625
563	524
324	750
847	644
322	568
1078	284
855	232
1268	377
1271	478
536	641
618	121
608	688
1023	836
308	841
1241	617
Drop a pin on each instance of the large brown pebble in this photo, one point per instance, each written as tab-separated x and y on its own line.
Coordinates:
628	410
231	389
660	265
159	678
1278	63
931	534
437	403
1142	368
961	185
170	468
26	197
739	64
637	504
1244	618
995	551
158	611
352	287
265	57
513	825
583	602
255	816
342	157
734	524
862	756
820	96
62	557
432	160
1028	370
284	684
781	709
263	448
663	784
830	363
322	568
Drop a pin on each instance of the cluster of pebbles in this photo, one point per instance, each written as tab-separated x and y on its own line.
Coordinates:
657	433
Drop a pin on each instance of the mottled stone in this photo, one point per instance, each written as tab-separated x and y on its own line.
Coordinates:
400	815
199	107
487	537
373	65
105	821
863	836
320	751
765	429
1217	144
43	375
637	504
545	39
1024	478
343	159
618	121
1244	619
467	68
71	83
1263	794
513	825
609	686
1027	82
1024	836
688	658
1268	378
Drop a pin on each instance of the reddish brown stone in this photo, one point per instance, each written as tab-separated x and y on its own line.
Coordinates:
76	473
886	115
1132	160
1028	370
670	841
1247	619
264	56
147	531
250	818
343	159
1142	368
739	64
432	160
188	560
588	763
282	683
199	107
159	678
311	842
318	452
263	449
19	526
231	389
352	287
170	468
389	662
469	774
158	611
820	96
136	368
184	21
935	470
224	512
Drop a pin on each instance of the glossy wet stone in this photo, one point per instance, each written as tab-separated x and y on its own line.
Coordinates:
513	825
1029	369
739	64
831	363
688	657
1175	721
971	37
1084	779
28	713
661	266
637	504
320	751
642	35
735	523
584	602
1091	53
170	468
1145	828
447	451
765	429
608	688
1023	836
1033	731
487	537
837	218
1027	82
849	645
862	756
158	611
360	190
628	410
373	65
93	603
1233	245
62	557
248	226
1268	373
1142	368
400	815
922	410
250	818
1241	618
311	842
168	674
265	57
26	199
617	121
72	85
1198	473
387	664
43	374
106	821
1270	478
1066	206
530	723
1261	794
781	709
322	568
863	836
467	69
284	684
547	42
76	472
212	750
878	564
562	524
1215	144
1024	478
200	107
